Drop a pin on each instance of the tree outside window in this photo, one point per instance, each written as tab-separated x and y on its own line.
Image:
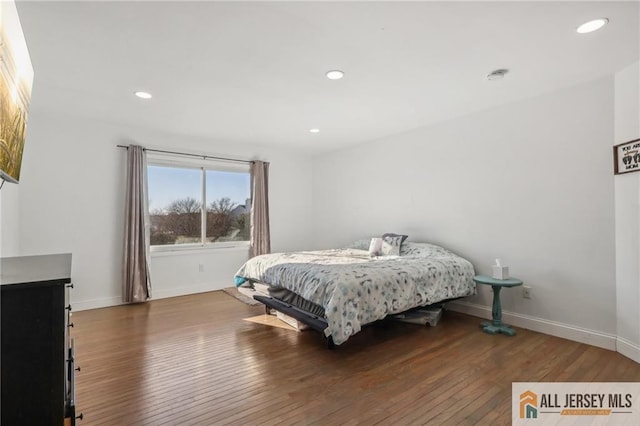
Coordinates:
177	197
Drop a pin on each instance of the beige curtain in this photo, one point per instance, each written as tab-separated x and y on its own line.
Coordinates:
260	236
136	285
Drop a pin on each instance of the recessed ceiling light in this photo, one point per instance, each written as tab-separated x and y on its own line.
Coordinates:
314	130
144	95
591	26
497	74
335	74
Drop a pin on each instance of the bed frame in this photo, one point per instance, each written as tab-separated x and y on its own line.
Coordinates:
313	321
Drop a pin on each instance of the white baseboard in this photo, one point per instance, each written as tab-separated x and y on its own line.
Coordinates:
184	291
628	349
566	331
83	305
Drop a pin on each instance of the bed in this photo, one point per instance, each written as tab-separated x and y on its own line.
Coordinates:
338	291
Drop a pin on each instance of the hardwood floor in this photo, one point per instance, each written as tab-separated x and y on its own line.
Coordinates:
192	360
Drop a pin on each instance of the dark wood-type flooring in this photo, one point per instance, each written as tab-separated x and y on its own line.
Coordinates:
193	360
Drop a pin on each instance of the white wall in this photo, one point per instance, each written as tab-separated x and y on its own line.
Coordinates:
530	182
71	201
9	220
627	214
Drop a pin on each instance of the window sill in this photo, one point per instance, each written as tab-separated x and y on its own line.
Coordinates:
160	251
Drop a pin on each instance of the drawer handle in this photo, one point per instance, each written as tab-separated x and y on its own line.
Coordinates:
77	368
81	416
69	307
70	324
70	285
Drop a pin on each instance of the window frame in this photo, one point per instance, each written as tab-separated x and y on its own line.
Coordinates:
202	164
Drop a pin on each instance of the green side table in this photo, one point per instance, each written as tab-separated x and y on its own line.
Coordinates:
496	326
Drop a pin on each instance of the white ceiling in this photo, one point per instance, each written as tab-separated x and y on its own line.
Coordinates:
254	71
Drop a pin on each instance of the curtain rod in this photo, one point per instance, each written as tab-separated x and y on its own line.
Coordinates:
204	157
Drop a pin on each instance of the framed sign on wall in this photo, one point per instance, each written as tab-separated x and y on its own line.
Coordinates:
626	157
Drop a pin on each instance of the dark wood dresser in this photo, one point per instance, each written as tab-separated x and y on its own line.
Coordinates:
37	351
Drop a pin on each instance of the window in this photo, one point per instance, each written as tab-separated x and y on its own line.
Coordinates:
198	204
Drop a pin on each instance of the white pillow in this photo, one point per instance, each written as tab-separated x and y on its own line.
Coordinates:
375	247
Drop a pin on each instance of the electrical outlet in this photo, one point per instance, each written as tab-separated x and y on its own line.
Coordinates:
200	267
526	292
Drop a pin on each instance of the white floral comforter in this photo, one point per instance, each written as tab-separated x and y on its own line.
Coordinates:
355	289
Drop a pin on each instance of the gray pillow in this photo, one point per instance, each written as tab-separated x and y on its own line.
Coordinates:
391	245
391	234
360	244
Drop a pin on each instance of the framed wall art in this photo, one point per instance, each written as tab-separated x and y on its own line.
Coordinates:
626	157
16	80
